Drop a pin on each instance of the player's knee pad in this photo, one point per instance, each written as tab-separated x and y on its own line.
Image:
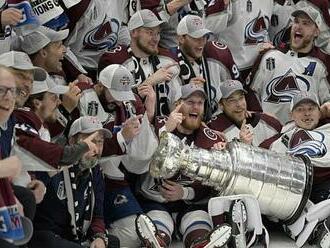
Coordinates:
194	220
226	205
163	221
312	224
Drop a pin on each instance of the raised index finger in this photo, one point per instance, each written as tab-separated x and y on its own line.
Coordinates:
177	108
243	124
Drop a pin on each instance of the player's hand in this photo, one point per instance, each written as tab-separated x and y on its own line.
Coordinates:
161	75
246	133
90	142
146	91
174	119
171	191
38	188
220	145
11	16
10	167
84	78
98	243
265	46
131	127
197	81
325	110
70	99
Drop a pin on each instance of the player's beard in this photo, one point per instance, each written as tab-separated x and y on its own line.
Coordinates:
189	124
88	163
302	45
145	49
52	118
189	51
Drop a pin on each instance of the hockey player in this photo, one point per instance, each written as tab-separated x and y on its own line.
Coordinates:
148	63
71	214
121	112
278	76
11	212
241	25
46	50
180	194
309	136
207	63
237	123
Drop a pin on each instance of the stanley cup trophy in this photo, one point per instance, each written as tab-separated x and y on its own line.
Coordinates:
280	183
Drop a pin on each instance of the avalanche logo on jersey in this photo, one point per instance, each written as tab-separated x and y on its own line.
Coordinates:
282	36
104	36
310	143
256	30
281	89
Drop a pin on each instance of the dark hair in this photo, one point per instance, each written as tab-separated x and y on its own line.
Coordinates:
30	101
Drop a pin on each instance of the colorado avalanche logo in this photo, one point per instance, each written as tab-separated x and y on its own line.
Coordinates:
310	143
282	36
282	89
104	36
256	30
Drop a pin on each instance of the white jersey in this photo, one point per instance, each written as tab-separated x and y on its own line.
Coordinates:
279	76
312	143
95	33
241	27
262	125
280	23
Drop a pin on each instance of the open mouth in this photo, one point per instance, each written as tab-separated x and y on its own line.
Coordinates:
298	36
194	115
307	121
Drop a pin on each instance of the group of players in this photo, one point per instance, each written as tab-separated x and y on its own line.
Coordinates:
85	97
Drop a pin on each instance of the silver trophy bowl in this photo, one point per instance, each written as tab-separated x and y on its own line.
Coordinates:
281	183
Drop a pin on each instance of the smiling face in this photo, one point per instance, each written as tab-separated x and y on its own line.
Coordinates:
147	39
306	115
7	94
235	107
192	47
24	80
192	111
303	33
54	54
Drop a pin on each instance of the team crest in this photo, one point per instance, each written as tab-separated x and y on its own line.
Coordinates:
120	200
256	30
282	89
310	143
104	36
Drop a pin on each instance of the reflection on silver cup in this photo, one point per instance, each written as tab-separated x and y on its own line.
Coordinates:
281	183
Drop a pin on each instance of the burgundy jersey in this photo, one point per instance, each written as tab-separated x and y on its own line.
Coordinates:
203	138
34	137
262	125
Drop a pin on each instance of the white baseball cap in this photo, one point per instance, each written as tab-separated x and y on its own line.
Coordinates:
88	124
40	38
193	26
119	81
48	85
303	97
229	86
21	61
312	13
143	18
188	89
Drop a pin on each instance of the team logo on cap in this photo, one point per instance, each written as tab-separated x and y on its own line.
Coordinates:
256	30
310	143
125	81
283	88
197	22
